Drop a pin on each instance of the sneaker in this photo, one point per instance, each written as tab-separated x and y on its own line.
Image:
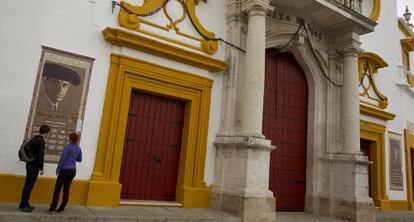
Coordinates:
51	211
26	209
60	211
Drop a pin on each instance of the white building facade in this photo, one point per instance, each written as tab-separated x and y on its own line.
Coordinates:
306	107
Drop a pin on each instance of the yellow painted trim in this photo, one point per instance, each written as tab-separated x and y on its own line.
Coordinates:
376	113
127	74
127	39
375	133
11	186
376	10
403	28
409	147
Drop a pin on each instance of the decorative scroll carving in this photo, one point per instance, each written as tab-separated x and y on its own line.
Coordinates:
134	22
368	64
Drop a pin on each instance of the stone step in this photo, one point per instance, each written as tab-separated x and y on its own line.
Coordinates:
10	212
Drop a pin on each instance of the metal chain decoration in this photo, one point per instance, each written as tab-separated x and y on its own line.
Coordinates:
293	37
115	3
316	58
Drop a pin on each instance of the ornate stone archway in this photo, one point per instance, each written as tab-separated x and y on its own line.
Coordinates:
336	170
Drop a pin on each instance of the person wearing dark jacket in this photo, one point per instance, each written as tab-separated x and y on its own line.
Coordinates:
66	170
34	168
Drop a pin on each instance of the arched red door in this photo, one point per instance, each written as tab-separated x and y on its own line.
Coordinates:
285	124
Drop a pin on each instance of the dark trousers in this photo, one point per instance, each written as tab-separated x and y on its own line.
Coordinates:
64	179
32	171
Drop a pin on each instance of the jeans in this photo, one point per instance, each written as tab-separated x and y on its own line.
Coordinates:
32	171
64	179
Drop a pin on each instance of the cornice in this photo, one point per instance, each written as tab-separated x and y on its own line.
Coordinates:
124	38
376	113
247	5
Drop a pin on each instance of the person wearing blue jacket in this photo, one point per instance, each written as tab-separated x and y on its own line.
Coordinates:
66	170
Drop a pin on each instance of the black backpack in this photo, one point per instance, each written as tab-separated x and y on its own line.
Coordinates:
24	150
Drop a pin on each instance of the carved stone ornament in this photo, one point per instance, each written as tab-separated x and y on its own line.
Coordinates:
130	20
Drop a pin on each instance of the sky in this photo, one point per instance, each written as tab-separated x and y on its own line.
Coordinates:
402	4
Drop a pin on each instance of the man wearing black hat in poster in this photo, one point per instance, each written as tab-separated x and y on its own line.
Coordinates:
57	81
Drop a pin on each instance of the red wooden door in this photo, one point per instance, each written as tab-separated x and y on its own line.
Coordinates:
285	124
365	144
152	148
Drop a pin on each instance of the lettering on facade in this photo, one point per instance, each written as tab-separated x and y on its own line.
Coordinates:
59	98
395	169
293	19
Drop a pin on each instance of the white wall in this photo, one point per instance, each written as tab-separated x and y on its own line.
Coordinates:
76	26
385	42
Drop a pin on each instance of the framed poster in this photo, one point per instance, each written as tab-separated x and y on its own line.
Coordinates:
59	98
395	160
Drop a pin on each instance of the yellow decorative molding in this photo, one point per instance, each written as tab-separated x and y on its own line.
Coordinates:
42	192
133	22
376	10
127	39
408	44
127	74
376	113
410	78
403	28
375	134
368	65
409	151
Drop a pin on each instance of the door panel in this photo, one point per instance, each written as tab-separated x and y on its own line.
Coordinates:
152	148
285	124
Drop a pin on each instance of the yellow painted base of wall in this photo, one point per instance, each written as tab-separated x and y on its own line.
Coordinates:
394	205
11	189
104	193
194	197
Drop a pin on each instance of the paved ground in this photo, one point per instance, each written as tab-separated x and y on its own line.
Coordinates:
303	217
10	212
400	216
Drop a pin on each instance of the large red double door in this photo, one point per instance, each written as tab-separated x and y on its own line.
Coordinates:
152	148
285	124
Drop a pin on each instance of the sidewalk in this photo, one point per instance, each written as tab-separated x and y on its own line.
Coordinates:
10	213
303	217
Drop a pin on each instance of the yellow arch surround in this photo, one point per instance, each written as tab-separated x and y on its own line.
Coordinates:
376	10
127	74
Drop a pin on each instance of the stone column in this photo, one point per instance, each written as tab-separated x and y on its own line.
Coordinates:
251	84
350	102
241	176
